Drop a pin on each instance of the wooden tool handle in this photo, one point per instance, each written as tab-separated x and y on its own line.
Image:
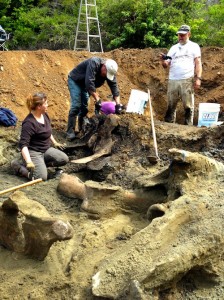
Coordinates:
21	186
153	126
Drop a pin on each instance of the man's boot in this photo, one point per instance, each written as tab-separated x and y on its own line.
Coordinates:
189	115
71	126
80	123
170	116
80	127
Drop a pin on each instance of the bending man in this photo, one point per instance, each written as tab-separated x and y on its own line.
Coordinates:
83	81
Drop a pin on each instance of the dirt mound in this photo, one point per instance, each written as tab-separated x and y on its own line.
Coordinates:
30	71
67	271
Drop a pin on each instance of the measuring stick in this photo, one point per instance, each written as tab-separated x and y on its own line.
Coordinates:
153	127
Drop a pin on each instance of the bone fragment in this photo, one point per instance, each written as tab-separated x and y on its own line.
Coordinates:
27	228
72	187
202	165
101	142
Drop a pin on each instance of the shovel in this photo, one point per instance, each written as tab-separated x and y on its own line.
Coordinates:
153	159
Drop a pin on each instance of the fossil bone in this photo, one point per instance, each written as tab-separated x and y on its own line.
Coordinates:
104	199
101	142
26	227
187	234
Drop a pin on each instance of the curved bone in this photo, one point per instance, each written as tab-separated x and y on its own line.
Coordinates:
27	228
100	153
188	234
101	142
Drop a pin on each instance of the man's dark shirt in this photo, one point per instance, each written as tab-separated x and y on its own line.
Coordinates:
34	135
87	76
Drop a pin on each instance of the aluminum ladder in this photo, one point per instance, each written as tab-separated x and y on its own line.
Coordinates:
88	36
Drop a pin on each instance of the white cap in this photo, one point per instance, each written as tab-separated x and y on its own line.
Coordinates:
111	67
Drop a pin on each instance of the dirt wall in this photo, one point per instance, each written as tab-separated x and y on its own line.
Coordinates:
24	72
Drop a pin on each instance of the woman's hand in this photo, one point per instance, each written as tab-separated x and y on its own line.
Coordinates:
30	166
59	146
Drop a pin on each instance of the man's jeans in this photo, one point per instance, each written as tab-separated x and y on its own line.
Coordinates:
79	103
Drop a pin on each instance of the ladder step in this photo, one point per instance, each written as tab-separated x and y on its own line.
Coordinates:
93	35
92	18
84	5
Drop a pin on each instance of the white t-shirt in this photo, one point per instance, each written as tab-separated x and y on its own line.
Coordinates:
182	63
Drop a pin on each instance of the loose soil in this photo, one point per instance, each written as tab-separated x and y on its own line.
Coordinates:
67	270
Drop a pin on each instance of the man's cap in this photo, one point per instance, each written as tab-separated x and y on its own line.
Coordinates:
184	29
111	67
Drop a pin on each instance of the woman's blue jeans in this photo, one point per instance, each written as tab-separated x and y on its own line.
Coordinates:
79	103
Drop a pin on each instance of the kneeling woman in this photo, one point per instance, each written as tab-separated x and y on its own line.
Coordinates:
36	140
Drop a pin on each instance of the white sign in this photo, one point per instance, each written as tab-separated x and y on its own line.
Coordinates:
137	102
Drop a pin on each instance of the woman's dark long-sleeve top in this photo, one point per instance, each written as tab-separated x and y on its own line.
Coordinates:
35	135
87	75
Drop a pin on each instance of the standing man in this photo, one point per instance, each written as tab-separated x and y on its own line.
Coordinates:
83	81
184	60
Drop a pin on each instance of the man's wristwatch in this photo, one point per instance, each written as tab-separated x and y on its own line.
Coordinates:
198	78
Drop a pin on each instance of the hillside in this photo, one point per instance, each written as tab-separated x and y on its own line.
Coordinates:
182	235
27	72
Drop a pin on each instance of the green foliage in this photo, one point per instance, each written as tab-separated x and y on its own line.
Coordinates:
148	23
40	24
4	5
215	25
52	24
40	28
132	22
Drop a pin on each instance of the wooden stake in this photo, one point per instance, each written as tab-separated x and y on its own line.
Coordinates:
21	186
153	127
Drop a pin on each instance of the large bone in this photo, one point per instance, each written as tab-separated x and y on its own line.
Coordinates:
72	187
187	235
103	199
101	142
27	228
